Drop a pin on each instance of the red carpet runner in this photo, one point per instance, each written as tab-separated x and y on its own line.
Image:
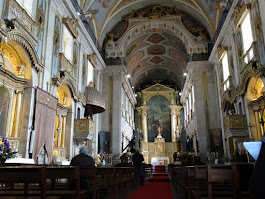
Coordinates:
157	187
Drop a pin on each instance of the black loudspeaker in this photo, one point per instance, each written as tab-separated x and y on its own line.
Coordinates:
104	142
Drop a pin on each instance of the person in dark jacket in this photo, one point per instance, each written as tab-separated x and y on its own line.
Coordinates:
137	160
83	160
257	181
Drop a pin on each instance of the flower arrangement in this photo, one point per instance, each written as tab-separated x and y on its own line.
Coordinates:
6	151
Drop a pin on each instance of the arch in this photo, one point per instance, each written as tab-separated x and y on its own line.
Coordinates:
28	46
117	11
193	44
64	95
254	89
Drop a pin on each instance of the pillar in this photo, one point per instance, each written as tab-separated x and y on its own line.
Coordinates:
144	122
173	114
139	115
17	117
259	130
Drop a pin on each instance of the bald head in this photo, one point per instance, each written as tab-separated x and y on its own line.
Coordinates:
84	149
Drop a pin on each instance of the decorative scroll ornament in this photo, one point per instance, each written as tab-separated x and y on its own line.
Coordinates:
71	25
93	59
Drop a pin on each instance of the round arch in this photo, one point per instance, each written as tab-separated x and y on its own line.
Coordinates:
192	43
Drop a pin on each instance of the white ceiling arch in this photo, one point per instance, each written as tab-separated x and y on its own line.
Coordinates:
192	7
138	27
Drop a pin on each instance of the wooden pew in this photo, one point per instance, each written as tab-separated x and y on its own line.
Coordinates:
190	182
90	172
221	177
25	175
242	173
106	179
58	175
200	180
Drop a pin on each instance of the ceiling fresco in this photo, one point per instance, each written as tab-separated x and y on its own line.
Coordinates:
110	11
155	38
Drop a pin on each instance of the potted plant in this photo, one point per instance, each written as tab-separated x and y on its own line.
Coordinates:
6	151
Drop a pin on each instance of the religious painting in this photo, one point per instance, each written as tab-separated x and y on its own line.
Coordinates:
158	116
104	142
216	141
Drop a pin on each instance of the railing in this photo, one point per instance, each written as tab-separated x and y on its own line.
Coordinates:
220	25
227	83
15	11
235	122
88	28
65	65
252	54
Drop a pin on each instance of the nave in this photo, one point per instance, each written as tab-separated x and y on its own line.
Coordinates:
181	182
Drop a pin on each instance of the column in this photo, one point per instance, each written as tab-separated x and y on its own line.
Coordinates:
259	130
18	108
139	115
173	122
59	130
63	130
11	114
144	122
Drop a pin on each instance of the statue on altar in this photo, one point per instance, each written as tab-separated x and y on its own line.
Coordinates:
159	133
159	137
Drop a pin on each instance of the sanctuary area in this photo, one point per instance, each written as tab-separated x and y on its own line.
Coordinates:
178	83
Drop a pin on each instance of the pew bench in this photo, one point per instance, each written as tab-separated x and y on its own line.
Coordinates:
26	175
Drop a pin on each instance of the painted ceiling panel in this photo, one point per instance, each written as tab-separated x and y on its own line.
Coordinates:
109	8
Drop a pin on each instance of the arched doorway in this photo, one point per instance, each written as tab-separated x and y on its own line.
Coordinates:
16	79
256	106
63	123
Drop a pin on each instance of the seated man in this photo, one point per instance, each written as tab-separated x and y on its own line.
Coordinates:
83	160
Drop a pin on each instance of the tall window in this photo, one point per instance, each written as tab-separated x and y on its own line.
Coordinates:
225	71
90	73
246	33
193	97
68	41
56	45
27	5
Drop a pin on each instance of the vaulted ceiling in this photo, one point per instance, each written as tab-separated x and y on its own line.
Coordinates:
155	38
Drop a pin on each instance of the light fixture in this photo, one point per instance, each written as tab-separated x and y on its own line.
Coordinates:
132	87
180	93
128	75
135	95
185	74
78	13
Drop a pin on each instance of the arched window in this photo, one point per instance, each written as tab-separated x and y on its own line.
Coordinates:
56	45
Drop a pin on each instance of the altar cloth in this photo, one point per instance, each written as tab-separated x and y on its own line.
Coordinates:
160	161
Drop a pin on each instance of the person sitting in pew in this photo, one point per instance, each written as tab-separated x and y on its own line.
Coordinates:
83	160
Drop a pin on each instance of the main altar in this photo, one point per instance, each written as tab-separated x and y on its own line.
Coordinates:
159	124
